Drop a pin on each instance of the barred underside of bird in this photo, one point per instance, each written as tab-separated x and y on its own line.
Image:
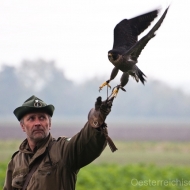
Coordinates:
127	48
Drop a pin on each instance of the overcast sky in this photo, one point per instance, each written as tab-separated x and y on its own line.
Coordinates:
78	34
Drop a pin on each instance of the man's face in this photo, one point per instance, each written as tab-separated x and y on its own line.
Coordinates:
36	125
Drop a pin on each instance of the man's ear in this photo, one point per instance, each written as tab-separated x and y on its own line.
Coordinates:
22	126
50	124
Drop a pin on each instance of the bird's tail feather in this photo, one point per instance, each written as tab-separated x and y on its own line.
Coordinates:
140	74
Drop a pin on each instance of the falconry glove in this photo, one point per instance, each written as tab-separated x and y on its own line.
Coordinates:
97	115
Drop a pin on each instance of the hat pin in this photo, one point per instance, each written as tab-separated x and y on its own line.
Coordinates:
37	104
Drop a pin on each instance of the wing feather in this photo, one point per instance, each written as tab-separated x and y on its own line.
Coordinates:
136	49
127	31
142	22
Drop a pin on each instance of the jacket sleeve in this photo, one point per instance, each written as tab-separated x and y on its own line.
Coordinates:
8	179
84	147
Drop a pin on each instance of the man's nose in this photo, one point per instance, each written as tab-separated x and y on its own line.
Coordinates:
37	122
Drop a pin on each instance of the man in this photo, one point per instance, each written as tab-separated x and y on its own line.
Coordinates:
44	163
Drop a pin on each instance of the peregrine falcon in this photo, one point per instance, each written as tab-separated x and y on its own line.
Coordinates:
126	47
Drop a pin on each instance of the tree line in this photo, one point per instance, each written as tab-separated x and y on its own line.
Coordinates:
43	79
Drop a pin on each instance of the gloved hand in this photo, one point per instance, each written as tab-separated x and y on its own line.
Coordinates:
97	115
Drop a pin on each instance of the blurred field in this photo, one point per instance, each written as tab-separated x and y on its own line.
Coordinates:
133	177
158	153
146	153
143	162
7	148
141	131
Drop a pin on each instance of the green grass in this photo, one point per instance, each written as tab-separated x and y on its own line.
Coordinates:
7	148
141	161
3	166
133	177
130	177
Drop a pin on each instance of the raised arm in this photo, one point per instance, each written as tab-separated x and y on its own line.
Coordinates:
89	143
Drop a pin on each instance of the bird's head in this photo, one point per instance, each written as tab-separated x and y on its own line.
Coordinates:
113	55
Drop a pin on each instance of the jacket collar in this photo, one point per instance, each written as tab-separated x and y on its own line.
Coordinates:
40	148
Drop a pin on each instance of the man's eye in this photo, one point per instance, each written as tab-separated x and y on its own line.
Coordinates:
31	118
42	118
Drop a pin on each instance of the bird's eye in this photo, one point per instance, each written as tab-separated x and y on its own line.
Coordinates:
109	55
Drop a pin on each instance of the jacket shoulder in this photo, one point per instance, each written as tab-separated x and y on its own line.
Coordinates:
14	154
63	138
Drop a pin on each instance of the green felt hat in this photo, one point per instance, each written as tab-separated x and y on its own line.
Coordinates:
33	104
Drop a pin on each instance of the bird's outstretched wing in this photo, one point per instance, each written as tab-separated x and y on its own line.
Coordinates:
140	23
136	49
127	31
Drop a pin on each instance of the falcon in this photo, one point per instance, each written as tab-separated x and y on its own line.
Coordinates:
126	48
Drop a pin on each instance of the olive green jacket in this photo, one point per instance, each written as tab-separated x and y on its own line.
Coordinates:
58	169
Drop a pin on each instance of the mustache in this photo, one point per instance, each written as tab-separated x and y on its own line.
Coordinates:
38	129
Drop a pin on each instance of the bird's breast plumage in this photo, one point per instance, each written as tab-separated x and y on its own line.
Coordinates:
124	63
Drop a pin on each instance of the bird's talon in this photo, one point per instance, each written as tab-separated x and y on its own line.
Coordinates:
104	84
115	92
122	88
